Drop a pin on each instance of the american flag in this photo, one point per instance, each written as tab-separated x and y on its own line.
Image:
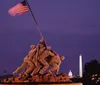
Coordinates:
18	9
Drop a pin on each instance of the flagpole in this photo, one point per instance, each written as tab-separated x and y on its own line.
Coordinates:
34	19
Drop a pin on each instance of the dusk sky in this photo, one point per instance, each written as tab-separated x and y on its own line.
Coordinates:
70	27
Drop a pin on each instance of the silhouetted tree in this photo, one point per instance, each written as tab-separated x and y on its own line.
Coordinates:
91	73
93	67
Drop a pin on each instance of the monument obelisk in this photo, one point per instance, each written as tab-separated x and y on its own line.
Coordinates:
80	66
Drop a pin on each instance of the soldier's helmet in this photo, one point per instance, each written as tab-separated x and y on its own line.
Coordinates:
62	57
32	46
42	41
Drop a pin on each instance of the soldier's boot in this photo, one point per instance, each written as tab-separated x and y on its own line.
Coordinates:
24	77
14	73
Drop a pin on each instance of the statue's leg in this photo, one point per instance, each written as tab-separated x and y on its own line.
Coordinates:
45	66
36	69
30	68
23	73
55	68
20	68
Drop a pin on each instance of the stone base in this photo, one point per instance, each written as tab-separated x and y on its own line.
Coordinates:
63	84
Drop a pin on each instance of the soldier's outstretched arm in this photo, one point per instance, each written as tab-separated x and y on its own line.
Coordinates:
51	54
